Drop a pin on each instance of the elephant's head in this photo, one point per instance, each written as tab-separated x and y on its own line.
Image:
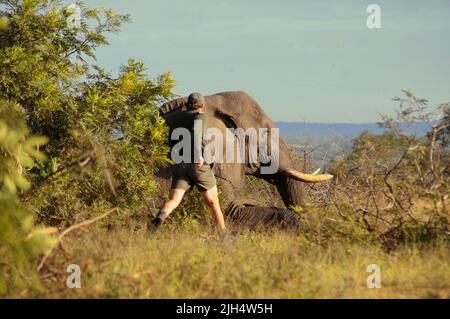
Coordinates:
239	110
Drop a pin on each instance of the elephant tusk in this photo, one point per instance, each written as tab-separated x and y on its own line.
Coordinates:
306	178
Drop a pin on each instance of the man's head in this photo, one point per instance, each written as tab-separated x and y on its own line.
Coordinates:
196	101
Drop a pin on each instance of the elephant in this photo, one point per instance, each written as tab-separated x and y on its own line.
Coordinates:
232	110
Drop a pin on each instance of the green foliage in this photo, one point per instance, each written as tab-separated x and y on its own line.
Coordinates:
120	138
42	57
20	244
20	240
18	149
104	137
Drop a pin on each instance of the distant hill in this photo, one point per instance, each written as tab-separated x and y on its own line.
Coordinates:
288	129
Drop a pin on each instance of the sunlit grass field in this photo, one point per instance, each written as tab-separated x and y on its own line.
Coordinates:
190	262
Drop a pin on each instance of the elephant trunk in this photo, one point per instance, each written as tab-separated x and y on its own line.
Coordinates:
289	181
290	190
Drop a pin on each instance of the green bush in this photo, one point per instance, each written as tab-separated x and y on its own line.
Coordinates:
105	134
20	241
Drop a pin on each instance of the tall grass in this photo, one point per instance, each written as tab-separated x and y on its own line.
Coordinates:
189	262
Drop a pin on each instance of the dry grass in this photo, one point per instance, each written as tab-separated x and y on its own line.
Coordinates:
189	262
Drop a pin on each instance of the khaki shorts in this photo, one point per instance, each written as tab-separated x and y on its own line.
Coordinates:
186	174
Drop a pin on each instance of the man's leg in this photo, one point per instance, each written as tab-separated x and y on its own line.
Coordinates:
212	200
175	197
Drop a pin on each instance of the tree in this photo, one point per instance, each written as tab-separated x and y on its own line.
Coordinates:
80	108
20	240
104	136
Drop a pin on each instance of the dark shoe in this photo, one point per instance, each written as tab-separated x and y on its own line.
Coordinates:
154	224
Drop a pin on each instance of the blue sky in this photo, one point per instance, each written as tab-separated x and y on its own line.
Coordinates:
311	60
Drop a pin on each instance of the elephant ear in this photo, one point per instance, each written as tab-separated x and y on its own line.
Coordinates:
230	172
227	118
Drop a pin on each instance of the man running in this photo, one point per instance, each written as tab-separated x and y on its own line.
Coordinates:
193	171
